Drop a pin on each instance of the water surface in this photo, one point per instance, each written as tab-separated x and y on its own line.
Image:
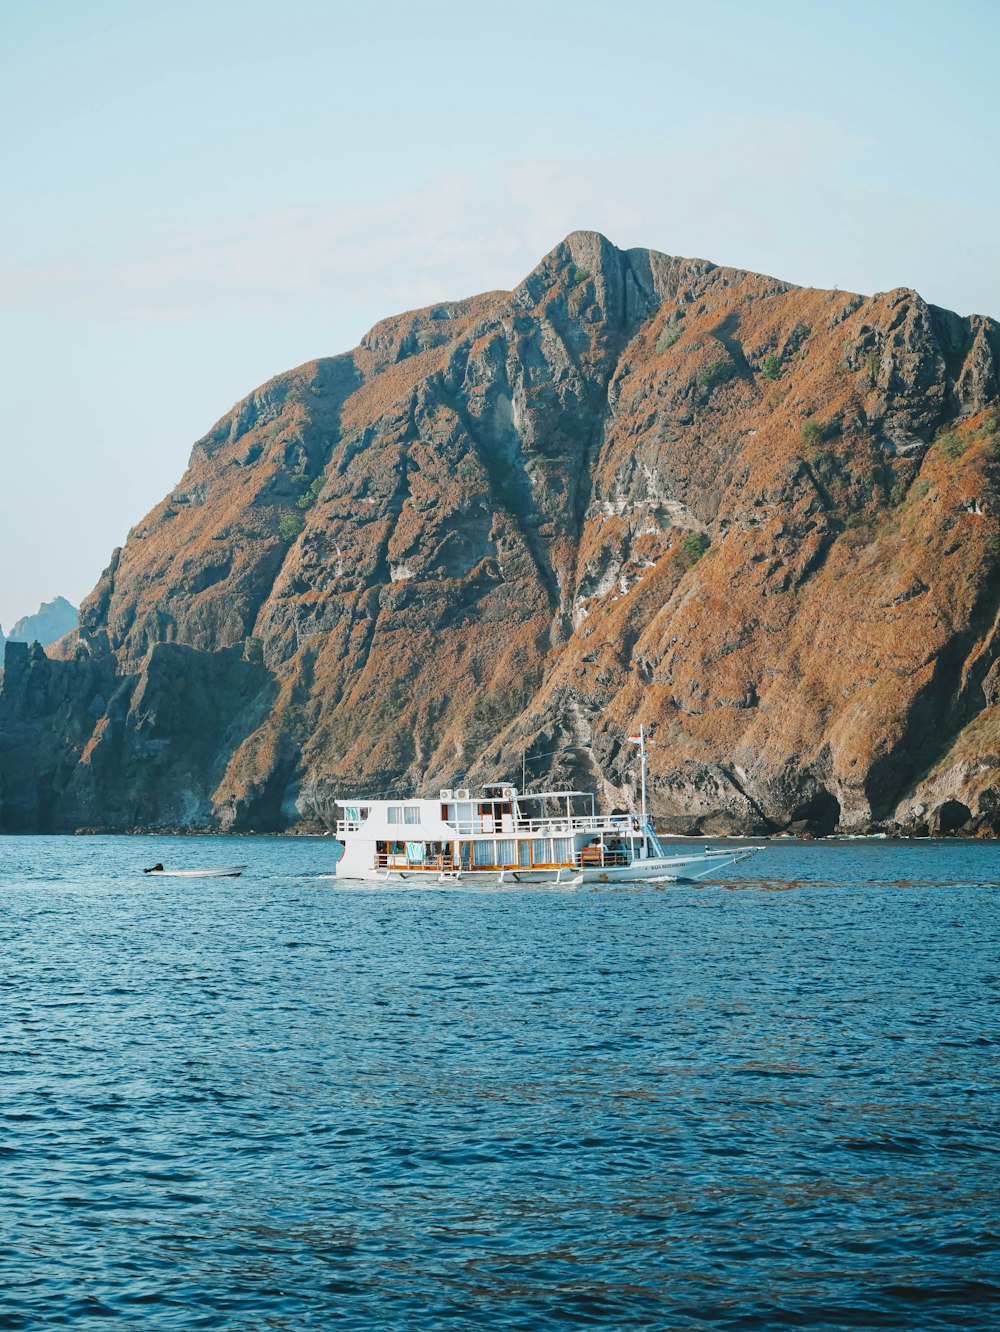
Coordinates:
273	1102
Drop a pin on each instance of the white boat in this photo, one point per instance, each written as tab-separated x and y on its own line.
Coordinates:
507	836
223	872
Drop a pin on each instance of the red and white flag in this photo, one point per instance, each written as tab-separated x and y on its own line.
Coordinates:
635	739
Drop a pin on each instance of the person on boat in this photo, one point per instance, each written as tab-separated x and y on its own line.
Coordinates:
154	869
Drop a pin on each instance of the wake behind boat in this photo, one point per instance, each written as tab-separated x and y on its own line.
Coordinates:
220	872
506	836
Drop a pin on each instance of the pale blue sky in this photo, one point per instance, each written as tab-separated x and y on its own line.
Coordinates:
194	197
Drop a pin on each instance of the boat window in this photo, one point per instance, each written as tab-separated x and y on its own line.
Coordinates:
352	813
394	814
506	853
483	853
412	813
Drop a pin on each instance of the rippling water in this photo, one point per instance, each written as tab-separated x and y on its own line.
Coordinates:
276	1103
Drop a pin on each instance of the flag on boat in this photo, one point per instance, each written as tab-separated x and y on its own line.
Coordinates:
635	739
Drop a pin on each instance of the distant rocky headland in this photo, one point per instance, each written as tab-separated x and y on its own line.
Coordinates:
763	518
51	620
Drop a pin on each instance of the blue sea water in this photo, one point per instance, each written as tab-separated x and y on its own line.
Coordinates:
272	1102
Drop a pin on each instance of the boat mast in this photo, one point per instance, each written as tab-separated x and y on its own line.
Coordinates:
642	768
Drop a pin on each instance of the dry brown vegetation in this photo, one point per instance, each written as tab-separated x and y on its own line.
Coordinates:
494	553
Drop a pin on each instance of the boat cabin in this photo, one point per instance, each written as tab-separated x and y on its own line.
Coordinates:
497	830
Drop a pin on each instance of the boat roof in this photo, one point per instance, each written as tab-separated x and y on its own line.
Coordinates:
367	802
540	795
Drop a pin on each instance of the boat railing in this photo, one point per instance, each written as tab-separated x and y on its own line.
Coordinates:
620	825
601	857
402	862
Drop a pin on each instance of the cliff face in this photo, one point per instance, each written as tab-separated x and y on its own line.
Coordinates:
636	488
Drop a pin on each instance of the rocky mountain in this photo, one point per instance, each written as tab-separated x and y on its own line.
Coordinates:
762	518
51	620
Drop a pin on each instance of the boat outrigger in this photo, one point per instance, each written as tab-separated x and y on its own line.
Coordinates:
505	835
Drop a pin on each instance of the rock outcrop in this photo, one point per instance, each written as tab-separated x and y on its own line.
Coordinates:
764	519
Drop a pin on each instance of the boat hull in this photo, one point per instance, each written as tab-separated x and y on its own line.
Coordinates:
666	869
224	872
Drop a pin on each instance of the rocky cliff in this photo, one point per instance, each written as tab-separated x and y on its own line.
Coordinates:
637	488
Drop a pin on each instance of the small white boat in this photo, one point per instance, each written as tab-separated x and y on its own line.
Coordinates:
223	872
506	836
